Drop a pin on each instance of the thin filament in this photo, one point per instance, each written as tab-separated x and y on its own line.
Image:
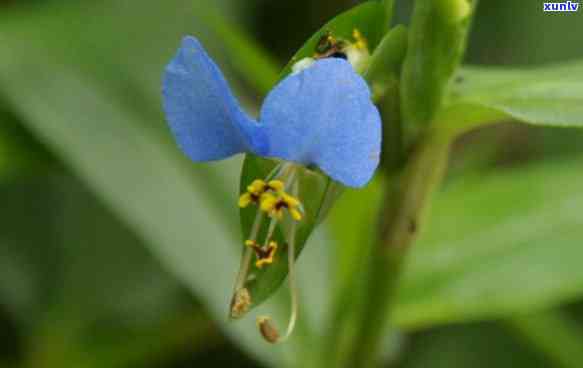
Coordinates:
246	259
292	276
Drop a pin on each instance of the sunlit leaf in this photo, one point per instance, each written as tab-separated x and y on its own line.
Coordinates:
497	244
550	96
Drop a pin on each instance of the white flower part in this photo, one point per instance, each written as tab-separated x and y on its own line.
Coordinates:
302	65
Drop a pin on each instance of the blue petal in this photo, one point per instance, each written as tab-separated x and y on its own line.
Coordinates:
203	114
325	116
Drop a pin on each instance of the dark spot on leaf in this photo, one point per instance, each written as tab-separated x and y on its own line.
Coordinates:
412	226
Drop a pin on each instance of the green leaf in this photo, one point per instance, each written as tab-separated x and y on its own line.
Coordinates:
386	61
149	185
551	96
20	153
317	191
25	256
496	244
78	274
437	41
478	345
553	333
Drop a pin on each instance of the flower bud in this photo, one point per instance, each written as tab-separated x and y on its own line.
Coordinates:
240	303
267	329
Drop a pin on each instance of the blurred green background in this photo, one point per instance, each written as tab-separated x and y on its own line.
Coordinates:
116	251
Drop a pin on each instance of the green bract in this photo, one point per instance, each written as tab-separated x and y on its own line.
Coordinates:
437	41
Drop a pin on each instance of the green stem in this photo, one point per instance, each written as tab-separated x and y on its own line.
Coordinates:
401	218
389	11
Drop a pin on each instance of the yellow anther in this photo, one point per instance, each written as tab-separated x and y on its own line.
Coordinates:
268	202
294	206
262	262
274	206
257	187
361	42
295	214
245	200
265	255
290	200
276	185
250	243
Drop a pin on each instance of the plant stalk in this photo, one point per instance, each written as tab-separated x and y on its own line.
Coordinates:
401	217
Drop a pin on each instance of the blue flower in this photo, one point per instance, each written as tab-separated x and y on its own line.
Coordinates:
321	116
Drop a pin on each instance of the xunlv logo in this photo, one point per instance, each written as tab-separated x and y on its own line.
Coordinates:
561	7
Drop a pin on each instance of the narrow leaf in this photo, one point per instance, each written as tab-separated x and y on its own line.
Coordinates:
146	182
551	96
497	244
552	333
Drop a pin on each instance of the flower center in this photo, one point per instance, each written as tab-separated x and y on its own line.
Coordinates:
270	196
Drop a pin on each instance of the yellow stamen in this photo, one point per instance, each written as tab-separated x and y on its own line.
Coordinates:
290	201
275	205
257	187
361	42
266	326
268	202
295	214
276	185
265	256
245	200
